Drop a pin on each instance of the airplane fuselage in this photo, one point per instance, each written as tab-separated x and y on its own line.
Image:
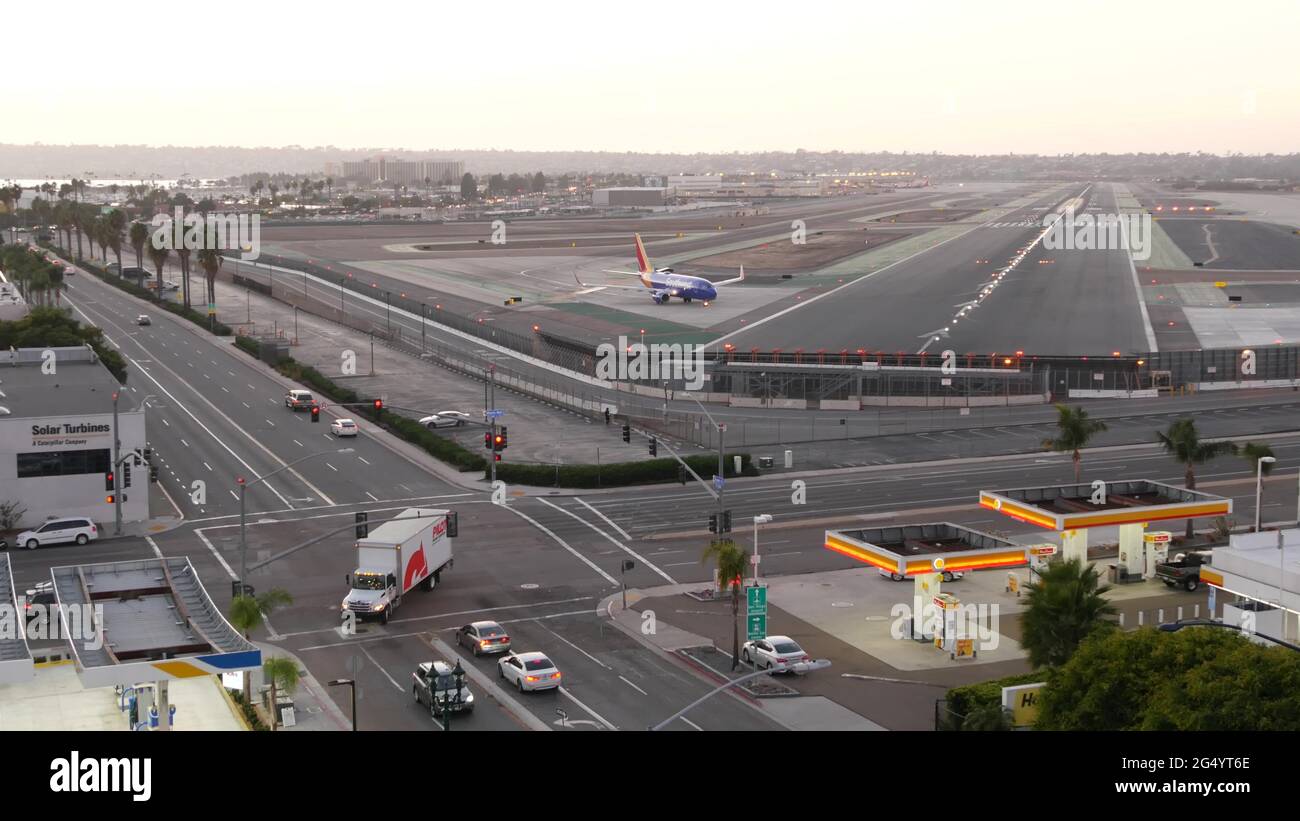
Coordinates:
664	285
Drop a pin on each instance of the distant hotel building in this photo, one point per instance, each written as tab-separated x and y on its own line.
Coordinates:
403	172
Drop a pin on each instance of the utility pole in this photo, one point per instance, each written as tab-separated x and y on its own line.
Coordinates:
492	381
117	468
722	470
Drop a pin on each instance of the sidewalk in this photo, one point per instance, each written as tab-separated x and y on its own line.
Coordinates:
313	709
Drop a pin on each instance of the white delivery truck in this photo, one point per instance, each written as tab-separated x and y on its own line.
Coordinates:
392	559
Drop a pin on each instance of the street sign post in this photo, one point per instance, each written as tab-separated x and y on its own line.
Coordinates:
717	482
756	627
494	414
755	600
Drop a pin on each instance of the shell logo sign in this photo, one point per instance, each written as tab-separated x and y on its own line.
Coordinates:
1042	550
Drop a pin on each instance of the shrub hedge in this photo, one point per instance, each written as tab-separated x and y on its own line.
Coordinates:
615	474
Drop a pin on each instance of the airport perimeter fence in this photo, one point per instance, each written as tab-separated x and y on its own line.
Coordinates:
365	306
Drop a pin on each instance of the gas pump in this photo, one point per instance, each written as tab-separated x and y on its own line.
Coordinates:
945	634
1156	546
1038	556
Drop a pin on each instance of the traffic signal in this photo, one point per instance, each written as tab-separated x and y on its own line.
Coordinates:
108	482
137	459
315	413
498	441
109	498
379	404
126	473
153	475
627	433
496	457
726	521
681	474
363	529
503	439
654	447
487	439
713	523
453	525
148	454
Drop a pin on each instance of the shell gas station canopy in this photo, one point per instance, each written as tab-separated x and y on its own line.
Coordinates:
1102	504
910	550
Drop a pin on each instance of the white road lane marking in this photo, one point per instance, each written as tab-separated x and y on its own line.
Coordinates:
590	712
607	520
634	687
612	540
562	543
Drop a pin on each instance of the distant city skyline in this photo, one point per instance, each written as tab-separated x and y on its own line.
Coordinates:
951	77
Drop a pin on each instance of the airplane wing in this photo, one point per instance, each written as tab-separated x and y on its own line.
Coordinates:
606	285
740	278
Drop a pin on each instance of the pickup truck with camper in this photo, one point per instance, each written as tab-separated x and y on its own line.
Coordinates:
395	557
1184	571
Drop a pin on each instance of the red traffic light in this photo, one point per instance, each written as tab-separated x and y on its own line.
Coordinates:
379	404
109	499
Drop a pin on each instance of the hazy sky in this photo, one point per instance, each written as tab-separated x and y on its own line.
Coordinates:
717	75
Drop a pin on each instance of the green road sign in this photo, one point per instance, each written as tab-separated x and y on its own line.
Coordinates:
756	600
756	626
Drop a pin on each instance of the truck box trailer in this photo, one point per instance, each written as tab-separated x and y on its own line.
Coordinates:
413	549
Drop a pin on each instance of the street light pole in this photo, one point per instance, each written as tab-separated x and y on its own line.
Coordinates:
1259	487
761	519
243	529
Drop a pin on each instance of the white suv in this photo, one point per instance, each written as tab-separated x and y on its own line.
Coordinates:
299	400
59	531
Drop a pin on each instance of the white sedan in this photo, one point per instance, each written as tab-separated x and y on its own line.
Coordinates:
529	671
343	427
773	652
445	419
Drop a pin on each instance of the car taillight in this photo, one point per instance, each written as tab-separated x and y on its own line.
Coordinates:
555	675
532	678
94	529
484	643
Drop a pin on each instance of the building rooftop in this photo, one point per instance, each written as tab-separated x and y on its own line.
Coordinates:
156	622
80	384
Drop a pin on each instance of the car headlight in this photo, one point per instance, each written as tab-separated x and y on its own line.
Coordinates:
377	607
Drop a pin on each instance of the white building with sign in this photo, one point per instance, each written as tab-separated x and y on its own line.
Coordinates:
56	437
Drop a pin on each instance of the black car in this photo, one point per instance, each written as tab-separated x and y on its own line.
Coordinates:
42	594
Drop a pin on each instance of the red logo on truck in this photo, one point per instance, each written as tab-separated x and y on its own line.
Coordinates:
416	568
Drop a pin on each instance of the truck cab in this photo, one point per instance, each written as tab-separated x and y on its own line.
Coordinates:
1184	571
372	594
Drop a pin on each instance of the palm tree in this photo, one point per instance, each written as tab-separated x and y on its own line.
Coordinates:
159	257
183	254
1183	443
283	675
76	218
1063	607
116	223
247	614
139	236
987	717
329	184
210	260
1076	429
730	561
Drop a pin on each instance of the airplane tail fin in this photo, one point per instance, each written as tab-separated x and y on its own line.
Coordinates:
643	262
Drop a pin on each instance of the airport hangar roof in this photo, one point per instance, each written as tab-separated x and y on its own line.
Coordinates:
15	657
80	385
158	623
1134	501
913	549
